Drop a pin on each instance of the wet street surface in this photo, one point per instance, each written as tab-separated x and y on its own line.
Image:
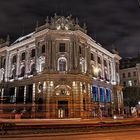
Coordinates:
119	135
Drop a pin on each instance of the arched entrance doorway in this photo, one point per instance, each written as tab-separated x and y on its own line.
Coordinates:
63	101
62	109
40	105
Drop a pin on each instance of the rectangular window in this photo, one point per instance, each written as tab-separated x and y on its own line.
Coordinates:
123	75
134	73
105	63
12	95
62	47
102	95
20	95
80	50
108	96
129	74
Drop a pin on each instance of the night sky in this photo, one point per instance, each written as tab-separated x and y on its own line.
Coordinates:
112	23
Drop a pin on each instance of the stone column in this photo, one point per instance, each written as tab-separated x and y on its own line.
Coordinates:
26	62
8	66
16	95
53	56
113	72
25	94
2	93
102	65
17	64
33	101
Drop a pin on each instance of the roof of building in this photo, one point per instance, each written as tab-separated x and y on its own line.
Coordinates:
23	37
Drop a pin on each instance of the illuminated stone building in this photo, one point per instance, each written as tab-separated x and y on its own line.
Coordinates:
58	71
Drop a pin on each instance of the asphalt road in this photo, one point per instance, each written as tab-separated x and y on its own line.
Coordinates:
122	135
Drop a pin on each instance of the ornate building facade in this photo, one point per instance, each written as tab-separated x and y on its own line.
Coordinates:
58	71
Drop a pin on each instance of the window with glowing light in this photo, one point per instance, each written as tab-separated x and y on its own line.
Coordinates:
12	95
62	64
83	65
102	95
108	95
95	93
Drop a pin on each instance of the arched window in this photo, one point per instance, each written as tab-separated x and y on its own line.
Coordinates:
105	63
43	49
22	73
92	56
80	50
123	75
33	53
129	74
13	74
2	64
23	55
62	64
14	59
99	60
33	69
83	65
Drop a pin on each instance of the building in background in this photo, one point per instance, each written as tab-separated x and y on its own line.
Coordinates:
58	71
130	79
